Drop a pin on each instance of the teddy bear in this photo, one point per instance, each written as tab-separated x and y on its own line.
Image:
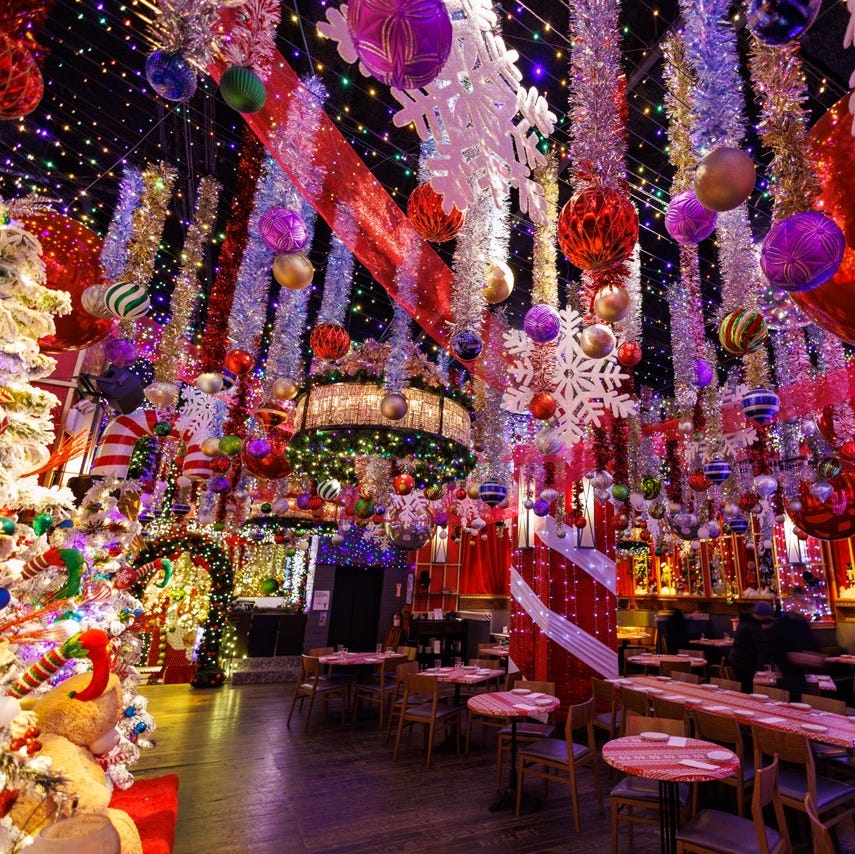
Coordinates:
73	733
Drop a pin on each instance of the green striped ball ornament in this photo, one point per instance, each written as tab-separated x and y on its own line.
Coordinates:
742	332
329	489
242	89
127	300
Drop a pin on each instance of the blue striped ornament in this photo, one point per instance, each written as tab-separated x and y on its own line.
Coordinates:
493	493
737	525
760	405
329	489
127	300
717	471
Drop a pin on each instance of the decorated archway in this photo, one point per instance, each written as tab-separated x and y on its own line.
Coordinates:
208	555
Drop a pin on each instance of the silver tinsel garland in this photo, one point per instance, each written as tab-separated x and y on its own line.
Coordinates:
338	279
469	265
114	250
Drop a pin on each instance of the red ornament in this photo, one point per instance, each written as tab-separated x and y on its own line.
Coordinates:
272	467
329	341
828	520
219	465
747	501
316	503
629	354
460	493
72	258
699	482
403	484
239	362
542	405
830	427
597	228
271	414
21	84
424	209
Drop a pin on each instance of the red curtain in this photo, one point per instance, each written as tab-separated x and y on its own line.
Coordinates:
485	563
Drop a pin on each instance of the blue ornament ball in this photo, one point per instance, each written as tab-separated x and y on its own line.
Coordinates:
130	711
170	75
5	597
140	728
467	345
760	405
779	22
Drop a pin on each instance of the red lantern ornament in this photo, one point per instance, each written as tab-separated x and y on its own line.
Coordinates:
72	258
460	493
239	362
273	466
403	484
542	405
21	83
329	341
629	354
827	520
597	228
698	481
424	210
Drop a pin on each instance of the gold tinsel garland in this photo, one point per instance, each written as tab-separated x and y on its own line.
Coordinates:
779	82
544	286
679	81
172	352
149	217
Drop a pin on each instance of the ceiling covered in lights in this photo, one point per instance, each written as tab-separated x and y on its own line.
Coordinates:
98	113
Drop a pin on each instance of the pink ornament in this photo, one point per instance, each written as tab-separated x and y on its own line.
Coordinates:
121	352
542	324
403	43
687	220
283	230
802	252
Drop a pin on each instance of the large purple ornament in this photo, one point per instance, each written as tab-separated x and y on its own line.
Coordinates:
121	352
779	22
283	230
703	373
220	484
303	500
403	43
541	507
542	324
802	252
170	75
687	220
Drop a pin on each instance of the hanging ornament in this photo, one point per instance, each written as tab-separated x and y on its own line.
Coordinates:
687	220
283	230
547	441
92	300
611	303
473	490
364	508
492	493
411	533
597	341
242	89
209	382
829	515
121	352
498	283
239	362
271	415
650	487
802	251
230	445
629	354
394	406
704	373
403	484
257	448
329	490
542	405
699	482
742	332
21	83
747	501
737	525
402	43
274	464
597	228
434	492
620	491
210	447
542	324
467	345
285	388
431	222
765	485
329	341
724	179
718	471
161	395
293	271
779	22
760	405
170	75
127	300
828	467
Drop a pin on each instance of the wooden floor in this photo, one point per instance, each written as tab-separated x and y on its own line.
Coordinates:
249	784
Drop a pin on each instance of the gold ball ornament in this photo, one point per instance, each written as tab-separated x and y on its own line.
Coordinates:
293	271
597	341
611	303
724	179
499	282
209	382
394	406
473	490
210	447
284	388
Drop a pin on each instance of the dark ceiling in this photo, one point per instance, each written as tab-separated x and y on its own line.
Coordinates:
98	113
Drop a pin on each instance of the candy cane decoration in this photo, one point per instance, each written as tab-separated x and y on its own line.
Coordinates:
128	577
97	646
49	663
71	559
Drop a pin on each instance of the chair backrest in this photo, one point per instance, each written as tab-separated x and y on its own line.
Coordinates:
773	693
722	671
672	709
788	747
822	840
580	716
393	638
310	666
825	704
483	646
542	687
421	684
410	651
634	701
722	729
488	663
685	676
512	679
604	694
728	684
766	792
401	670
321	650
666	668
636	724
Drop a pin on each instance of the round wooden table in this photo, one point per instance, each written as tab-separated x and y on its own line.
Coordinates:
513	705
671	761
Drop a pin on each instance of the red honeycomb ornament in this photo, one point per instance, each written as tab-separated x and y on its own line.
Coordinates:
424	210
21	84
329	341
597	228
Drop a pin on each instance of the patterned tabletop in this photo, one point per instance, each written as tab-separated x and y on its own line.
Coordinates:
513	704
835	659
464	675
651	660
712	642
351	659
661	757
823	727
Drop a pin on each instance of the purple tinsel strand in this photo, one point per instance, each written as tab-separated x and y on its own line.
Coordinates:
114	251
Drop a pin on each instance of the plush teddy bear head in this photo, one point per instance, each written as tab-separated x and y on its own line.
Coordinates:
82	723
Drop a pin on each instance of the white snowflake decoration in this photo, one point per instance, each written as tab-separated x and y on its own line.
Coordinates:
478	115
746	435
409	508
584	388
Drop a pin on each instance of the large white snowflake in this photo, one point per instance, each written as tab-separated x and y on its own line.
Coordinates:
584	388
481	120
746	434
409	508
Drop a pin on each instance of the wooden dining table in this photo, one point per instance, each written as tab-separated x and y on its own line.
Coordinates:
465	675
655	661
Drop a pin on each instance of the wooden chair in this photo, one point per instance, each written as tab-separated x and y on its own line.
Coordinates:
668	668
674	710
825	704
638	793
727	684
606	712
410	651
311	684
398	696
491	721
722	671
820	834
628	652
379	691
716	832
686	676
725	730
636	702
393	638
773	693
527	731
834	799
428	714
554	760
